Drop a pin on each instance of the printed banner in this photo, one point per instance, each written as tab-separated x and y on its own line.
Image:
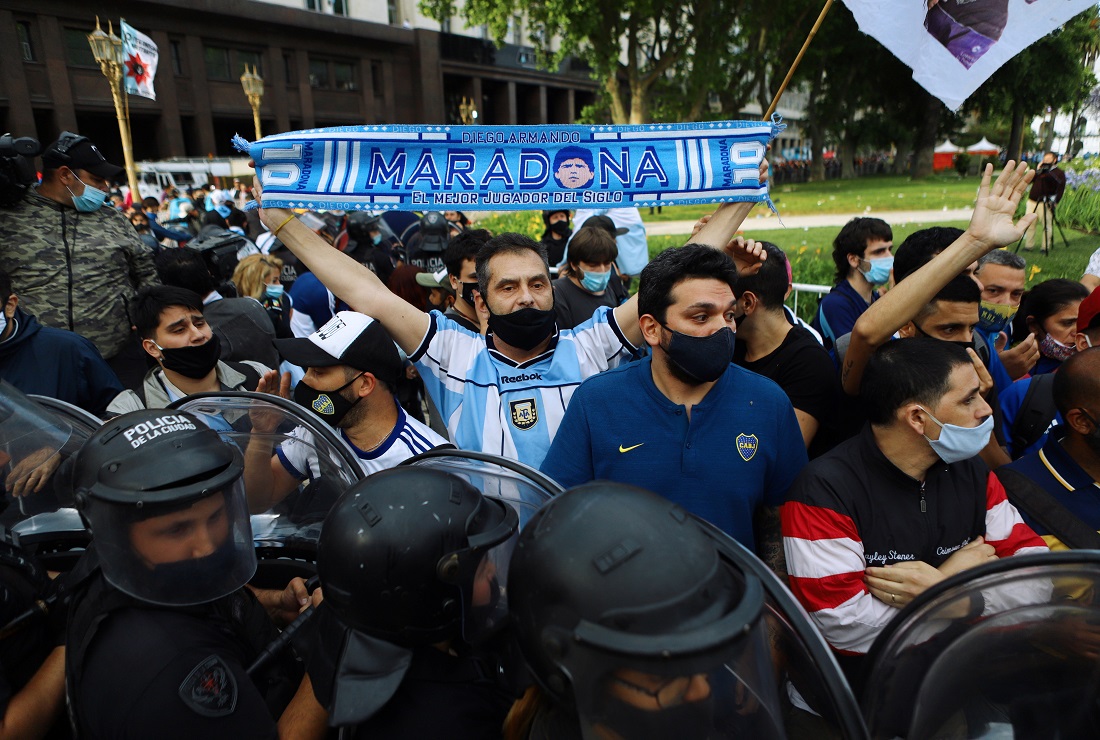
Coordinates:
953	46
140	58
496	168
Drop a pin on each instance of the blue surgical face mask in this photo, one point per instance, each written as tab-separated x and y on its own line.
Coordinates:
90	201
880	270
959	443
594	282
376	239
274	290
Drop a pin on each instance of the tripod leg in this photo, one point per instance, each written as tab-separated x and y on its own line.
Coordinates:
1065	242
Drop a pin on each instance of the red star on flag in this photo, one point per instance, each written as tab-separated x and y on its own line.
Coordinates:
135	68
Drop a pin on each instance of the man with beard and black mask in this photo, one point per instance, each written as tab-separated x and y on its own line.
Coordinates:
504	392
556	235
174	332
352	367
1067	467
162	626
718	440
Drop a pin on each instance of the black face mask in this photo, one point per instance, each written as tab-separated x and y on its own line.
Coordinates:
468	292
523	329
561	229
193	362
190	577
700	359
329	405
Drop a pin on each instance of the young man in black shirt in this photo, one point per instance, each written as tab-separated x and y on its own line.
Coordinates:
770	345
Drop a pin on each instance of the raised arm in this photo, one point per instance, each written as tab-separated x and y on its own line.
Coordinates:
717	230
350	281
990	227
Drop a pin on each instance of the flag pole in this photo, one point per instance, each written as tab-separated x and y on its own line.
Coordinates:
797	59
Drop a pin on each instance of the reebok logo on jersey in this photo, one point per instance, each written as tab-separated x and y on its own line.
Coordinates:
520	378
628	449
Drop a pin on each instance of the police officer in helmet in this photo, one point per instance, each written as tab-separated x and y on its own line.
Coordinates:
160	632
411	561
638	623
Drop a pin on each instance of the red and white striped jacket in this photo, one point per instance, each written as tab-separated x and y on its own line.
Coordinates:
852	509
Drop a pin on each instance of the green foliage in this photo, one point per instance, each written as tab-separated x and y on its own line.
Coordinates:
962	163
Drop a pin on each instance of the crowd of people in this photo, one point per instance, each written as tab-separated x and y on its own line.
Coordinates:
861	457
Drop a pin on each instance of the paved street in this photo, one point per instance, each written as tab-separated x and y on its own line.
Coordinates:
764	220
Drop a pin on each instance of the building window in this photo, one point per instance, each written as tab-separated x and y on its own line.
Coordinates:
392	13
314	5
445	26
517	30
288	68
24	30
217	62
318	73
250	59
77	51
376	79
177	57
343	75
339	7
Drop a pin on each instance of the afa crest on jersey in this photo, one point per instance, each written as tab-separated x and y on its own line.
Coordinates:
525	413
746	446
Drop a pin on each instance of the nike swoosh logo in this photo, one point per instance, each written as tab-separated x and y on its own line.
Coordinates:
628	449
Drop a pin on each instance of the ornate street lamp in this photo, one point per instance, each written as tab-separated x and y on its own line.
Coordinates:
107	49
253	86
467	111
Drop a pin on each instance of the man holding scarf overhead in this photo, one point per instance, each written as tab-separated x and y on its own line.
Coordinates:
505	392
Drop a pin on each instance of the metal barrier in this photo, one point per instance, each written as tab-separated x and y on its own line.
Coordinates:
797	288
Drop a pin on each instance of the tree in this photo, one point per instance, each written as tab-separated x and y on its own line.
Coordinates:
1049	73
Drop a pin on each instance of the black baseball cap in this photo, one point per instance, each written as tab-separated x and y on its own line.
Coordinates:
351	339
78	153
605	223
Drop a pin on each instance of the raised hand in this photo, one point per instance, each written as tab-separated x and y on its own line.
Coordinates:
992	223
747	254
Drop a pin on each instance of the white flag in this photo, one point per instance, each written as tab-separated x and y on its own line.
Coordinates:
140	57
953	46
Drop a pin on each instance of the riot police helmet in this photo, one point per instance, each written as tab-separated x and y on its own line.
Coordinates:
416	556
164	498
638	621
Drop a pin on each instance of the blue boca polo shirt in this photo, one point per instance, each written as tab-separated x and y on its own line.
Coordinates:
742	447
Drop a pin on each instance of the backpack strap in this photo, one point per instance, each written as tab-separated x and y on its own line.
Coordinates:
1029	497
1035	414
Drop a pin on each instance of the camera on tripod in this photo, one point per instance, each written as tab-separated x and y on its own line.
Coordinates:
1044	168
17	171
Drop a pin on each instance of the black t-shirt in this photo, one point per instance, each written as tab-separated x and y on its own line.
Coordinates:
803	369
169	674
574	305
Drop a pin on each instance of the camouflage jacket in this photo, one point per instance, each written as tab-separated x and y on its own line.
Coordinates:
75	271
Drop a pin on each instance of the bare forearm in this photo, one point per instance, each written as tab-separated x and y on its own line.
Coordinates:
258	481
723	225
303	718
32	712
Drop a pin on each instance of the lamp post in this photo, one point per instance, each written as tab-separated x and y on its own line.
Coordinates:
107	49
253	86
467	112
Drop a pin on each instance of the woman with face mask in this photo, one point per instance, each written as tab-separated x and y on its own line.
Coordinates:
1049	311
590	279
258	276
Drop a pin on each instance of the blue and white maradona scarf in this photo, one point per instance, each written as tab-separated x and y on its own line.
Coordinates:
409	168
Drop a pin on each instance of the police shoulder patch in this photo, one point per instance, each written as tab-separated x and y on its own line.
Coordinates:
210	689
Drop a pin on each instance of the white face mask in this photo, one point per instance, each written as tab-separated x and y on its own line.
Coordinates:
959	443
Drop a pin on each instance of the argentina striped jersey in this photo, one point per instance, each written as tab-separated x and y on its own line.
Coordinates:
492	404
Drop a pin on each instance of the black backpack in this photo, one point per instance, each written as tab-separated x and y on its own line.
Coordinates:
1035	415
